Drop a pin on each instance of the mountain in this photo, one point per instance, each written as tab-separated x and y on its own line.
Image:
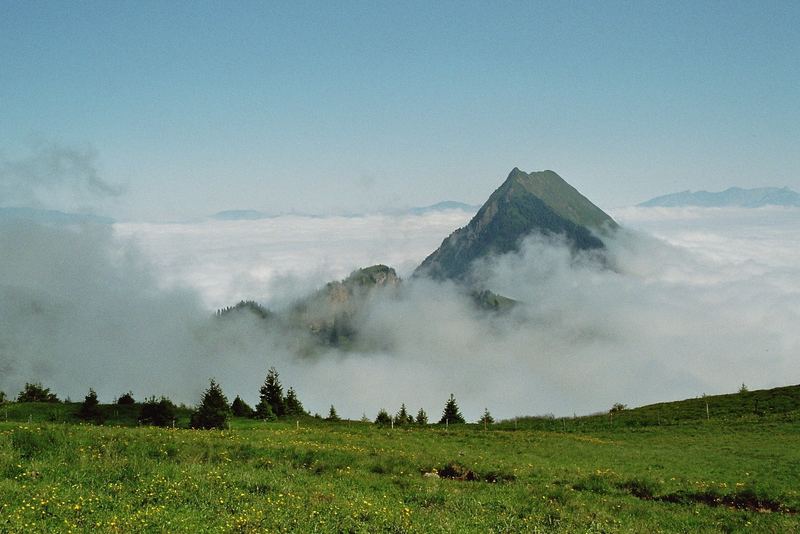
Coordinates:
239	215
53	217
731	197
524	203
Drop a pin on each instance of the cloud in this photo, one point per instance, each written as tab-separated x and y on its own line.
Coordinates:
54	176
708	304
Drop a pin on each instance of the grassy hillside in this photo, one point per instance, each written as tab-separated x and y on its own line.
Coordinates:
745	406
354	477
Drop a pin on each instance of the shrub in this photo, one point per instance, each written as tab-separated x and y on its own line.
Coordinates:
36	393
213	411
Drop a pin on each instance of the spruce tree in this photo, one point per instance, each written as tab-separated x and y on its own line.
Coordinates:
126	399
292	404
272	393
486	418
240	408
90	409
35	392
213	411
2	397
402	417
451	414
332	415
157	412
422	417
383	418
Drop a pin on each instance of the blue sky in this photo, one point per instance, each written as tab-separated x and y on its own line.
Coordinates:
352	106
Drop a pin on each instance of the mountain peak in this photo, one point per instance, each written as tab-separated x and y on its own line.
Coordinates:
525	203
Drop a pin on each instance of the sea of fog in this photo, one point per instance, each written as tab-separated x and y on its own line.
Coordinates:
691	301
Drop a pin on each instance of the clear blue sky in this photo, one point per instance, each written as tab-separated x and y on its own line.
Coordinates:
340	106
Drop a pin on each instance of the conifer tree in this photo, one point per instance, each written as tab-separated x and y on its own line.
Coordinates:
126	399
90	410
157	412
271	393
292	403
402	417
35	392
2	397
451	414
213	411
422	417
383	418
486	418
240	408
332	415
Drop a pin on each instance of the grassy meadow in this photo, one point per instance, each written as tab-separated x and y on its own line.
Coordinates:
734	474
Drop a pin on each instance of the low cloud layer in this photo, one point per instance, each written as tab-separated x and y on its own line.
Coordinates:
687	302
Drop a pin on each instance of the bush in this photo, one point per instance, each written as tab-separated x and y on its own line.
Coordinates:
36	393
157	412
213	411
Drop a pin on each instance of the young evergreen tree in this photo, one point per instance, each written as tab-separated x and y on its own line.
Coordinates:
157	412
422	417
292	404
451	414
486	418
240	408
383	418
213	411
2	397
272	393
90	409
402	418
332	415
36	393
126	399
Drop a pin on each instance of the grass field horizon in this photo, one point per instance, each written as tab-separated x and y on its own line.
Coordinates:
731	469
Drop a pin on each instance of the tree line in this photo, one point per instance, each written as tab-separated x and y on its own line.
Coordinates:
214	410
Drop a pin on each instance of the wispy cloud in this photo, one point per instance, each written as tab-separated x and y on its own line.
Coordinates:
54	176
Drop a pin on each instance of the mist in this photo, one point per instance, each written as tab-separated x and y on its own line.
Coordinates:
681	304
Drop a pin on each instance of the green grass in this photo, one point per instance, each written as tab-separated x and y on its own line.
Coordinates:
698	476
747	406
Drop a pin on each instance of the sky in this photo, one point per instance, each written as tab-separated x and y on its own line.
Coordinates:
185	109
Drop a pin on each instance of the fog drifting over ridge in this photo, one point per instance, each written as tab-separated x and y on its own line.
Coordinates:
695	301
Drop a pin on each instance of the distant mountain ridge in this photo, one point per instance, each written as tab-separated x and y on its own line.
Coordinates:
525	203
51	216
731	197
